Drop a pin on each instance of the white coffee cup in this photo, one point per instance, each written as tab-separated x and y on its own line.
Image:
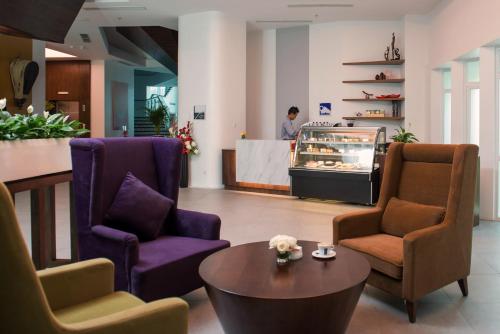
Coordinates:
324	248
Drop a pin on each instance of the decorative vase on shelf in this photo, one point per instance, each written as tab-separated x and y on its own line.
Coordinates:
184	171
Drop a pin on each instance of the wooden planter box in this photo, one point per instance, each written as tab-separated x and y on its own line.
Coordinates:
21	159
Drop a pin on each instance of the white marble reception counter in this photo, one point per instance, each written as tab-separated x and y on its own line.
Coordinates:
263	161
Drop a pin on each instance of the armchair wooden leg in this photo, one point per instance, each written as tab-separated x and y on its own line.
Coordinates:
411	308
463	286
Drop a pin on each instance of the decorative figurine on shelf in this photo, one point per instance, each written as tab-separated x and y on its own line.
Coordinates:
367	95
358	114
396	52
396	111
377	77
393	43
386	54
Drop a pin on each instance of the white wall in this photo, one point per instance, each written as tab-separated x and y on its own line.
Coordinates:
212	67
489	127
458	26
334	43
116	71
261	84
292	74
417	76
97	98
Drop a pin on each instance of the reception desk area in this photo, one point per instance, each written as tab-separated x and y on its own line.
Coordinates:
258	165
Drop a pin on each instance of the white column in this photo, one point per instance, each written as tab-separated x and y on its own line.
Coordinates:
436	107
458	103
97	98
38	90
261	84
212	72
488	125
417	76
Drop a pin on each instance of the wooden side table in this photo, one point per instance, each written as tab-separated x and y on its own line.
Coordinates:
251	294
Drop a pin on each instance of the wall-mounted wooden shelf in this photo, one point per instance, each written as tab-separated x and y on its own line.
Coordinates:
362	118
375	81
377	62
374	100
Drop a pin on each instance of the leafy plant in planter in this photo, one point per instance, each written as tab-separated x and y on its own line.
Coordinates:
34	126
402	136
157	116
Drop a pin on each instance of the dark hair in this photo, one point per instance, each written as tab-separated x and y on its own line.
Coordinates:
293	110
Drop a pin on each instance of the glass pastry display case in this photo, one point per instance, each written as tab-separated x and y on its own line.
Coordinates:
337	163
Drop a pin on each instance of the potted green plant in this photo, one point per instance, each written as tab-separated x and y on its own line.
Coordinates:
33	144
403	136
158	116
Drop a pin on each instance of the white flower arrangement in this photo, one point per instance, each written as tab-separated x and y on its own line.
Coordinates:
283	243
3	104
30	109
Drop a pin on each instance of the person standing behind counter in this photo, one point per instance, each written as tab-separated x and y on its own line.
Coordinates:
289	130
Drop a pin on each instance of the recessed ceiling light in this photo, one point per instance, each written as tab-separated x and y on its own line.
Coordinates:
50	53
320	5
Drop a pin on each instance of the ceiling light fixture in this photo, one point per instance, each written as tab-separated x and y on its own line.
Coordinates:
51	53
283	21
321	5
115	8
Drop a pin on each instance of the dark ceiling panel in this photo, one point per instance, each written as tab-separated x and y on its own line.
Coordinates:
37	19
158	42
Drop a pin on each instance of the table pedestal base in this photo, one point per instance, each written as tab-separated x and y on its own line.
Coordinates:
324	314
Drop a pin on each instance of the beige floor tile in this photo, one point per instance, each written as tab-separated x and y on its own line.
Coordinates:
252	217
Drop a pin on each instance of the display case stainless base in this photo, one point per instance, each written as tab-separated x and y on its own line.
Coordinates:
360	188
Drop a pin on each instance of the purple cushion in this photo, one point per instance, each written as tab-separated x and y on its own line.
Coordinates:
168	260
138	209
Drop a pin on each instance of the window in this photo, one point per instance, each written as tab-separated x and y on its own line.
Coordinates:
155	90
472	71
447	106
473	115
498	135
473	100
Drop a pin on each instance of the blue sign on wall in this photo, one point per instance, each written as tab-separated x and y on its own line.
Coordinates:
325	109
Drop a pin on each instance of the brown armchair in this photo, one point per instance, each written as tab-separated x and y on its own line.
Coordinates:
411	262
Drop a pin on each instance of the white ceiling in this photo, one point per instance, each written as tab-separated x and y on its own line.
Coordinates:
166	13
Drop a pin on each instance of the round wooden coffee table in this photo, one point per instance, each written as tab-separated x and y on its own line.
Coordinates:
252	294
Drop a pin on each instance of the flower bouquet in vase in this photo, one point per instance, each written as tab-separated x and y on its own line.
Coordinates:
284	246
189	147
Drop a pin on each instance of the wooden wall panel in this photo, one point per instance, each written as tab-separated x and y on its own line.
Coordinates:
70	81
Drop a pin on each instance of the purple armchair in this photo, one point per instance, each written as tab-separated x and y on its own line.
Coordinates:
167	266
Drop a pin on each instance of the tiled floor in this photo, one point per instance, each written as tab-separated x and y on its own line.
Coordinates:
251	217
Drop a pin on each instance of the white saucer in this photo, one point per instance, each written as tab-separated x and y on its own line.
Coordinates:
318	255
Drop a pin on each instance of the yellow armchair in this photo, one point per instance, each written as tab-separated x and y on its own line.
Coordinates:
77	298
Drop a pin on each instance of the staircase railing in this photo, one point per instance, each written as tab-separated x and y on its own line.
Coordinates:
142	128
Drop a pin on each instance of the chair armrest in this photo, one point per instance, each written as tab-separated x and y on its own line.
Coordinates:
432	260
77	282
159	317
120	247
356	224
197	225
